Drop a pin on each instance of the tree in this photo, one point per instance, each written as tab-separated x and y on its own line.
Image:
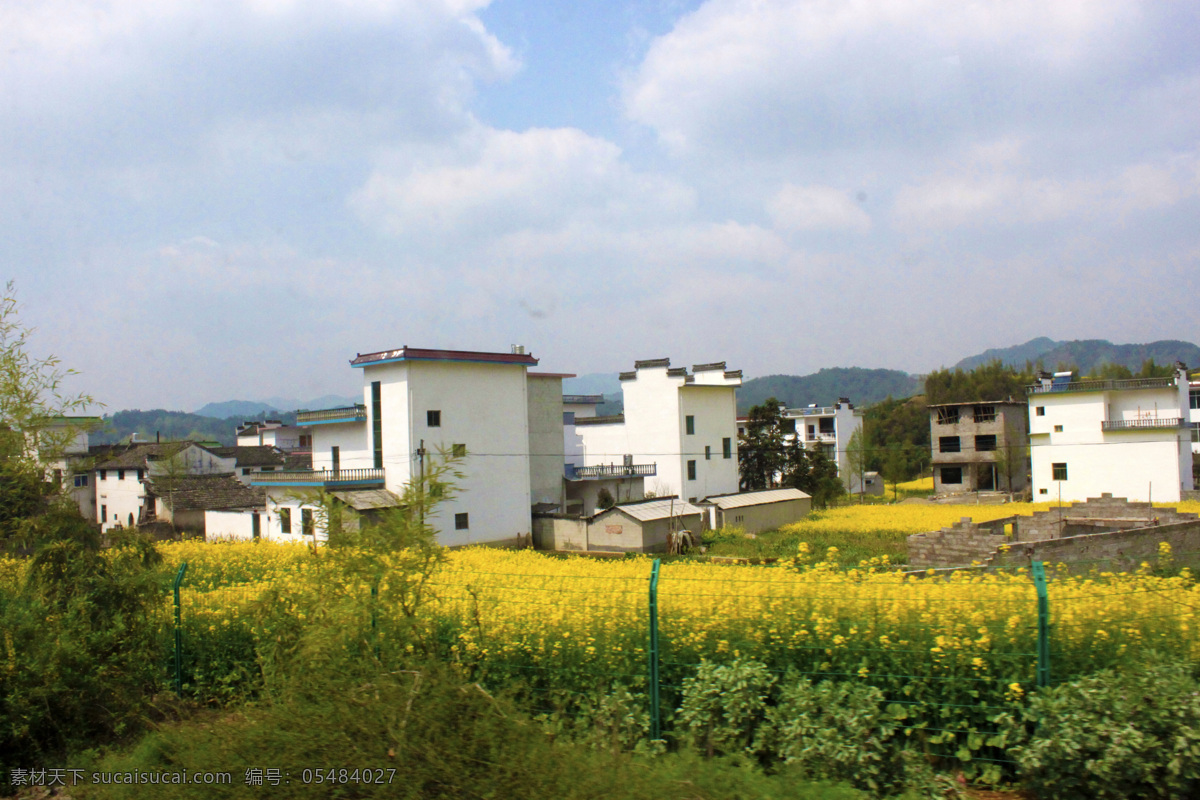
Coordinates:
760	448
1010	458
895	468
856	459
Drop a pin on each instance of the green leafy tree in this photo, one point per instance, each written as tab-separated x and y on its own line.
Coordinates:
1011	458
760	448
901	425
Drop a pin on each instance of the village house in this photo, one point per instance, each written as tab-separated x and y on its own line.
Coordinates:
677	434
1130	438
419	407
979	446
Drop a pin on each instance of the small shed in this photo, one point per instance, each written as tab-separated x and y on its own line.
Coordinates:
642	527
758	511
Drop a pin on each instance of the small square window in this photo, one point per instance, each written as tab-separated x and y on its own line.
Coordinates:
81	480
691	470
433	419
985	443
1059	471
1042	491
727	447
949	444
462	521
1058	429
690	424
708	452
951	475
459	451
1040	411
245	470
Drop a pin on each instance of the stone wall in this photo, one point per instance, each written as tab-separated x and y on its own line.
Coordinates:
967	542
559	532
1115	550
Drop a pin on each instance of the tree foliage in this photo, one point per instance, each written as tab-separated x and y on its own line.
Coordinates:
766	459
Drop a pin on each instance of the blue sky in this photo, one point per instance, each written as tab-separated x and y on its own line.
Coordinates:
206	201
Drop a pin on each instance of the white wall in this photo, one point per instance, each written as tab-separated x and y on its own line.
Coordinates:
546	439
222	526
118	498
353	440
714	409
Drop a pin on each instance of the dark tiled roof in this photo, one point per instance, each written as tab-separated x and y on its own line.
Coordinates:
716	365
652	362
136	455
207	492
677	372
259	455
610	420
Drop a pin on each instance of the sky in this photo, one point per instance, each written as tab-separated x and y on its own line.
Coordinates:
229	200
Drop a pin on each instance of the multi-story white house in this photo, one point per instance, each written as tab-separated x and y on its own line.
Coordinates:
1194	414
292	439
1130	438
421	405
678	432
122	497
829	429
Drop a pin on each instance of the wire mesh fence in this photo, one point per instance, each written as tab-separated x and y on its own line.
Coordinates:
951	653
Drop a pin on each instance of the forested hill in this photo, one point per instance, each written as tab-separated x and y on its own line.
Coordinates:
173	426
1087	355
862	386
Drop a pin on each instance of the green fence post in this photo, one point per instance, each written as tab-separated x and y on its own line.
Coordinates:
655	730
1043	629
178	632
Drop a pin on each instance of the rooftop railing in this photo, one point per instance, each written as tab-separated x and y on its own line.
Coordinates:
1142	424
1101	386
318	478
325	416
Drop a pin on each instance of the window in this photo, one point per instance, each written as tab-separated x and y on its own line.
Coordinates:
103	513
377	421
81	480
1039	411
787	426
458	450
708	452
306	441
103	474
120	474
1059	471
949	444
141	473
727	447
1043	491
985	413
306	522
985	443
245	470
285	520
951	475
335	456
433	419
825	425
692	470
568	418
131	519
947	416
462	522
690	423
1194	398
1058	429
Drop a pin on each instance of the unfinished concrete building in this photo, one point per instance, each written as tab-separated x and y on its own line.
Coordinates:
981	446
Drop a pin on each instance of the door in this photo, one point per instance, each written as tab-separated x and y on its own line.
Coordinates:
256	525
336	455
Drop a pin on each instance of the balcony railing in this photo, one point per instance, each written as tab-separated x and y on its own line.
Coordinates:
319	478
328	416
1143	424
1101	386
822	411
613	471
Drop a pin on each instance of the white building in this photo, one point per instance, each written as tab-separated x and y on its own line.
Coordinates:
827	428
293	439
122	499
1130	438
418	406
678	432
1194	414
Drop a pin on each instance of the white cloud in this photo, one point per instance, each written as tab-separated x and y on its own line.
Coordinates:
494	182
816	208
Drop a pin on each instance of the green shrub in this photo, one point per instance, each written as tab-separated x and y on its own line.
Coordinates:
835	730
724	706
1113	735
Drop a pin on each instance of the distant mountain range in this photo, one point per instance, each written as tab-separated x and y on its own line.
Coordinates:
861	386
272	406
1086	355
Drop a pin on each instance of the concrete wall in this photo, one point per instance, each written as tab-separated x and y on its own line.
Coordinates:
714	409
766	517
546	445
229	525
559	532
1117	550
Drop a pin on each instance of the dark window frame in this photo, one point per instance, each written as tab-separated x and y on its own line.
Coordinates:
285	521
462	521
727	447
949	444
691	469
433	418
1058	471
689	424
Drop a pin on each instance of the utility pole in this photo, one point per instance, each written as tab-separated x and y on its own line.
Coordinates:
421	483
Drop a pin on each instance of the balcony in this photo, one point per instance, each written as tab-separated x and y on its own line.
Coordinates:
611	471
1101	386
822	411
321	479
329	416
1142	424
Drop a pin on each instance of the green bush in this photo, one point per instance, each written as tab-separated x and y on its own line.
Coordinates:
835	730
724	706
1113	735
